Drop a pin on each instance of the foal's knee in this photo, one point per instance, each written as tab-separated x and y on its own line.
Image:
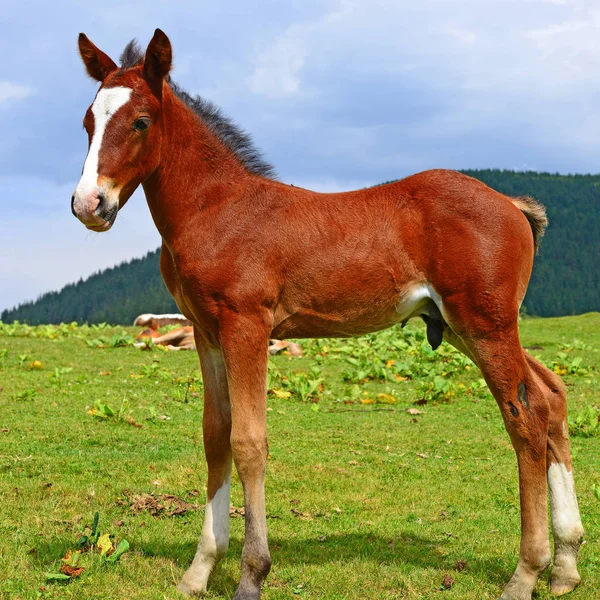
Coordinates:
249	451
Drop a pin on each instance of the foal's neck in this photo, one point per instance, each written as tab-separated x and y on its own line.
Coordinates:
193	160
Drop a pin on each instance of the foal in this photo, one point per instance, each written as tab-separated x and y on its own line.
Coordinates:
438	245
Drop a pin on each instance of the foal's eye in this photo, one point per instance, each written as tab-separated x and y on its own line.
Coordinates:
141	124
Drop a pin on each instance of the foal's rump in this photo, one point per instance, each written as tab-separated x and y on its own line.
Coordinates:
480	244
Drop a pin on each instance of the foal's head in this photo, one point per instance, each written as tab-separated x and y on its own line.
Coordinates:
124	130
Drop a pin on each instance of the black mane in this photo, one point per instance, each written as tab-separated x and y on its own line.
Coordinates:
233	136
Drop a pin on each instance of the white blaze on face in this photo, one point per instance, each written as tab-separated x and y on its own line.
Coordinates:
566	522
107	103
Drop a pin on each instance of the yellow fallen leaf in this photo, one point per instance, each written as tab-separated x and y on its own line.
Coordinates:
104	544
386	399
367	401
36	365
281	393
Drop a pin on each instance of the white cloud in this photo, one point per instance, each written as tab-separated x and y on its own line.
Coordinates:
461	34
492	67
10	92
277	71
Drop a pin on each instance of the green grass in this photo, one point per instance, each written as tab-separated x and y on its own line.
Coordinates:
364	499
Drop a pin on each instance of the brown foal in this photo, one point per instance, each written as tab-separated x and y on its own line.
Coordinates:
438	245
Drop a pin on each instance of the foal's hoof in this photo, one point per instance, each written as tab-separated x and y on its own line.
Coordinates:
511	596
559	587
516	591
564	577
190	589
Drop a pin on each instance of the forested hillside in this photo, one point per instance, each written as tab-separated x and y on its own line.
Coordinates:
565	281
115	295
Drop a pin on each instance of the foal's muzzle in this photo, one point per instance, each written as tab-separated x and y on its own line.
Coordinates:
94	209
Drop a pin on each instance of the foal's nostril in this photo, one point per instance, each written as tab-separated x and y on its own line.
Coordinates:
73	205
101	204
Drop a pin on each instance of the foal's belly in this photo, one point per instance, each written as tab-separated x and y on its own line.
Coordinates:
367	315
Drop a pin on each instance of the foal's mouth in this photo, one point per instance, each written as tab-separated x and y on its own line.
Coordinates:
109	217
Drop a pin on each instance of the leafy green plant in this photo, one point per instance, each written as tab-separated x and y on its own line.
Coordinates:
116	341
564	364
576	344
3	355
48	332
23	359
94	548
56	377
103	410
186	388
147	344
304	385
153	414
438	389
154	370
26	395
273	376
479	387
393	355
585	423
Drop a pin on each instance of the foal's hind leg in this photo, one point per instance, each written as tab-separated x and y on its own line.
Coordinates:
525	410
566	522
216	425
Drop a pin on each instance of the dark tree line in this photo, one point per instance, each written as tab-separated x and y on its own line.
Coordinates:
116	295
565	280
566	273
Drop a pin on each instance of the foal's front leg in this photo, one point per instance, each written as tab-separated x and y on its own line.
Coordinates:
216	425
244	342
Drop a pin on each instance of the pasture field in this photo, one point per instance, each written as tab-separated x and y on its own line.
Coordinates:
365	500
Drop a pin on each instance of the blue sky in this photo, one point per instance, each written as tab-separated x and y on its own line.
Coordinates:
338	94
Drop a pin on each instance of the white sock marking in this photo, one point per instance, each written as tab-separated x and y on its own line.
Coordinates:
566	521
216	518
107	103
213	543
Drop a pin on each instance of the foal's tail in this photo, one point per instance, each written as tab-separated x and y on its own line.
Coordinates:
536	215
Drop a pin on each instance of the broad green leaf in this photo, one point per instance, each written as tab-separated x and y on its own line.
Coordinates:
56	577
122	547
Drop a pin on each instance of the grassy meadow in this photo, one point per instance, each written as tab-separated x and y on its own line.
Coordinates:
390	474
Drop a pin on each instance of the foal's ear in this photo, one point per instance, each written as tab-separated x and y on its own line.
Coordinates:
98	64
157	63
